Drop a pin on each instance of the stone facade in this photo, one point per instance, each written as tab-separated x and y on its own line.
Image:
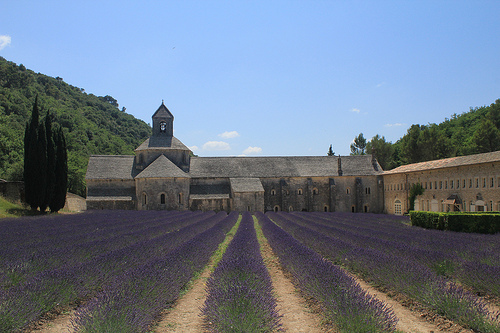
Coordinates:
163	175
466	183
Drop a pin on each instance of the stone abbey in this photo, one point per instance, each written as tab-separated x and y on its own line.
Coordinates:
163	174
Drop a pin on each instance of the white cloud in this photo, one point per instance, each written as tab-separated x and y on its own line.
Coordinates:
355	110
4	41
380	84
395	124
252	150
193	148
216	145
229	135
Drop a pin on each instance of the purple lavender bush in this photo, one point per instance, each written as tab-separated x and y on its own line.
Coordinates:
136	297
54	274
344	301
373	252
240	290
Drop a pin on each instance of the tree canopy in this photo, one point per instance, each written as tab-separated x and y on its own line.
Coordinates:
90	124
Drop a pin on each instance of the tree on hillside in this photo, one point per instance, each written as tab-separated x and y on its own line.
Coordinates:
383	151
487	137
30	166
358	147
330	151
61	172
45	163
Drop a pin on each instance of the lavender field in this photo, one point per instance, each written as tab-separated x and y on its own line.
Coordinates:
121	269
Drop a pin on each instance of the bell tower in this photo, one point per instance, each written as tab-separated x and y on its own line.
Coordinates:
163	122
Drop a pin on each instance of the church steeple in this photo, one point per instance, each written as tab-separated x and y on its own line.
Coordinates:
163	122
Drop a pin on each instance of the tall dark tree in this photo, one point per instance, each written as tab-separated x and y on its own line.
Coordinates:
30	152
51	162
330	151
358	147
40	159
61	172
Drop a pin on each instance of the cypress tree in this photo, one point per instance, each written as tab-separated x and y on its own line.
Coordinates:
51	161
41	170
30	165
61	172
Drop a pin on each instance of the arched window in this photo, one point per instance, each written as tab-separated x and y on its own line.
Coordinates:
144	199
162	198
290	209
299	191
276	208
325	208
315	191
348	191
180	198
273	192
366	208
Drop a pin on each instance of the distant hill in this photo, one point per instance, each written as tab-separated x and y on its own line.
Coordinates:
92	124
472	132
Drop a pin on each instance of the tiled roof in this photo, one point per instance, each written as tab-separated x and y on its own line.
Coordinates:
163	142
163	110
282	166
110	167
246	185
162	167
103	198
447	163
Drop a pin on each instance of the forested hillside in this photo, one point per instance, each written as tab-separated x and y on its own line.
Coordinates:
472	132
92	124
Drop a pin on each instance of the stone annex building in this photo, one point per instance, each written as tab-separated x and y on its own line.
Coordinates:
164	175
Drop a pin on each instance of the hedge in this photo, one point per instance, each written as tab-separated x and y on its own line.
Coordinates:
478	222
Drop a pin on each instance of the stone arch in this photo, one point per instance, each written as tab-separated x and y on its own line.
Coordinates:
398	207
276	208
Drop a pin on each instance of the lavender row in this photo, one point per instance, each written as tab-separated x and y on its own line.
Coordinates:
240	290
19	262
451	254
344	301
29	299
136	297
396	271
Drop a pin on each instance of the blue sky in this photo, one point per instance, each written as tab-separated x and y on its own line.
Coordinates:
268	77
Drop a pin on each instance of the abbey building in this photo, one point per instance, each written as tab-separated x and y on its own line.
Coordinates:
164	175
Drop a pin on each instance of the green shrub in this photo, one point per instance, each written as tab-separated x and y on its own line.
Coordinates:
478	222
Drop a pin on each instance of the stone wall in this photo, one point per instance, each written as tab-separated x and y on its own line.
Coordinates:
162	193
12	191
477	188
247	201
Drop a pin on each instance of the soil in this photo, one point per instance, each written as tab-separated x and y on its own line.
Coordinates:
300	314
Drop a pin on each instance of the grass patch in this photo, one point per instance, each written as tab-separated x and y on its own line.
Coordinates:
9	209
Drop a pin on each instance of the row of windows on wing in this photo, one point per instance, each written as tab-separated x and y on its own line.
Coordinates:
366	208
451	184
316	191
163	198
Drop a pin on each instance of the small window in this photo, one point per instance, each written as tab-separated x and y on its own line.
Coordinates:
348	191
162	198
470	183
276	208
451	184
440	185
367	190
315	191
435	185
458	183
492	183
353	209
326	208
299	191
366	208
273	192
477	182
144	199
248	208
463	184
484	182
446	184
290	209
430	185
180	198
